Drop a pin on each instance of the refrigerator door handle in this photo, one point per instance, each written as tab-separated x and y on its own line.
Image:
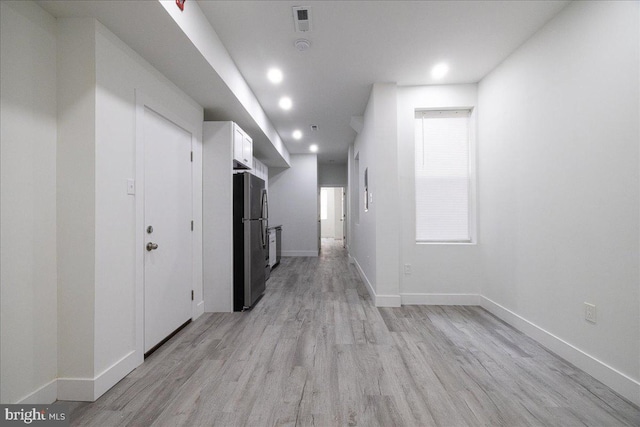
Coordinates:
264	218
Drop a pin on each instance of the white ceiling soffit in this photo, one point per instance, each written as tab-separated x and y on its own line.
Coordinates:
354	44
147	28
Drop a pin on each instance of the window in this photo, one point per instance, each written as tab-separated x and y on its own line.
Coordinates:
443	178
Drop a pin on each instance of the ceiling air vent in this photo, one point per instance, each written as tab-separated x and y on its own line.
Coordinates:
302	19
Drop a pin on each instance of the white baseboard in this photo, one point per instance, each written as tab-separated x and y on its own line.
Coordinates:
90	389
388	301
44	395
113	374
440	299
618	381
364	278
378	300
299	253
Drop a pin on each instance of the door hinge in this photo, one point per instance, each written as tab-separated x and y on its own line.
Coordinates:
192	295
191	225
192	156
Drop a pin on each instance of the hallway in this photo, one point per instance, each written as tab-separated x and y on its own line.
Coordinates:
315	351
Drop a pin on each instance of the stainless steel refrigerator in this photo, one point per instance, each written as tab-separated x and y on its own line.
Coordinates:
250	240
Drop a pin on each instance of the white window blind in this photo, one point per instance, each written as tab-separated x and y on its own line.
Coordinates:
442	176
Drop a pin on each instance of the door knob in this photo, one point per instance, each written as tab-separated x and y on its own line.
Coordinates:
152	246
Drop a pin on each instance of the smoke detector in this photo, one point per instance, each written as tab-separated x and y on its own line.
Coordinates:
301	19
302	44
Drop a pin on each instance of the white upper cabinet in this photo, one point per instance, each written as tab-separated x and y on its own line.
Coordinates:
242	148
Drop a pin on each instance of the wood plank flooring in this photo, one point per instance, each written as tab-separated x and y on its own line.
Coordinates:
316	352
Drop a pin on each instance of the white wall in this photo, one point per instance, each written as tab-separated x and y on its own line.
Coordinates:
120	72
76	197
559	189
217	221
441	273
332	175
28	324
100	302
293	203
376	235
362	241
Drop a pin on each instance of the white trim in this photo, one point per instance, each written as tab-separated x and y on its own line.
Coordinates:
299	253
139	222
378	300
76	389
618	381
110	376
388	301
440	299
44	395
365	280
90	389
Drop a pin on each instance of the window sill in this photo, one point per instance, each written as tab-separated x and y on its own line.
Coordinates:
448	243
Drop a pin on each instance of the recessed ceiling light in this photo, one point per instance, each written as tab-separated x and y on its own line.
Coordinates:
285	103
274	75
440	70
297	134
313	148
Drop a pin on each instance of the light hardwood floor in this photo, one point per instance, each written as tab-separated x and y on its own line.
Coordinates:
315	351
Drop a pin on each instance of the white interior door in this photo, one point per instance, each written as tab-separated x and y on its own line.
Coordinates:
167	218
343	203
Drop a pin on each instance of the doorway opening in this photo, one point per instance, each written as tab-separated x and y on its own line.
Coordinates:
333	215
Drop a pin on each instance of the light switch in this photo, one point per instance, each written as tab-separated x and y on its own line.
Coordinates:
131	187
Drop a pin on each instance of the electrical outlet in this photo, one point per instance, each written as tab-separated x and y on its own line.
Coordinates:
407	269
590	312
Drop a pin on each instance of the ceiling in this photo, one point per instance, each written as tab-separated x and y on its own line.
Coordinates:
147	28
357	43
353	45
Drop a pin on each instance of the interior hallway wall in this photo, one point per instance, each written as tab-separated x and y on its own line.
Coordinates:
293	203
68	148
559	189
332	175
28	294
120	72
374	236
440	273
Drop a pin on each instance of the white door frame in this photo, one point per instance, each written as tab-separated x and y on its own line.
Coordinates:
197	305
343	207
